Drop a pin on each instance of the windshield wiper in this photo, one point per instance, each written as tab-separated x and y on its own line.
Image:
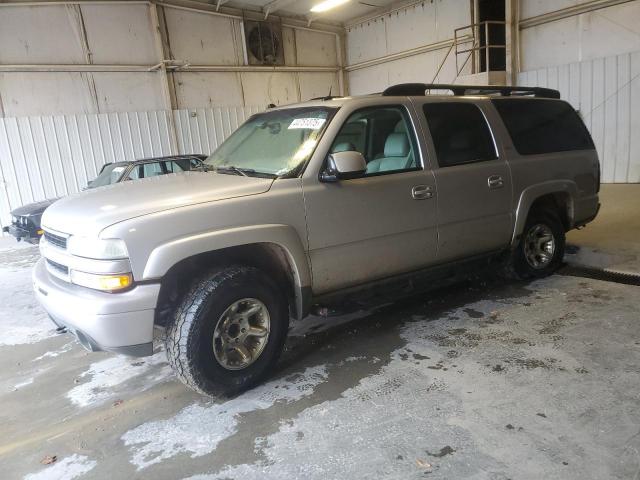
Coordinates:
245	172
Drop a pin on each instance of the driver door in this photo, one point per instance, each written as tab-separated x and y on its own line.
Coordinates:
381	224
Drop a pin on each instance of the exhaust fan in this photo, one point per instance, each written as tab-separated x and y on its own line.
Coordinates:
264	43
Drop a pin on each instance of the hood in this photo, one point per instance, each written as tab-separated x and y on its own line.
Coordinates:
89	212
33	209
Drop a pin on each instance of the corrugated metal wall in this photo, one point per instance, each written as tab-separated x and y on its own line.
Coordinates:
47	157
606	91
203	129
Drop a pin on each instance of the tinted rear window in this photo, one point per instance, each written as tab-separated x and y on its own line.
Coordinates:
460	133
543	126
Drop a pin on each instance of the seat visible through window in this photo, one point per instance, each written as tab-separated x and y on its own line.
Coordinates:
382	136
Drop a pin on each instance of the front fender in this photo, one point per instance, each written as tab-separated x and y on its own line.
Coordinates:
532	193
163	257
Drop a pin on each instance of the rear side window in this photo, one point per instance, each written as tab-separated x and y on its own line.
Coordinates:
460	133
543	126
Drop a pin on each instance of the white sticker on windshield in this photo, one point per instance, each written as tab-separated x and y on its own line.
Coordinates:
117	170
308	123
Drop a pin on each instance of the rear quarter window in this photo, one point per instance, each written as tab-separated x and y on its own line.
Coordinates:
543	126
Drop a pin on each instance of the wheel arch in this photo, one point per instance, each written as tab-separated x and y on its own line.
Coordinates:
276	249
558	195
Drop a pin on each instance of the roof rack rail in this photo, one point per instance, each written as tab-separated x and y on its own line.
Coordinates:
326	98
419	89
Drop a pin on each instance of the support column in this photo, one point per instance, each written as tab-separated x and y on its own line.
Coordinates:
167	90
512	37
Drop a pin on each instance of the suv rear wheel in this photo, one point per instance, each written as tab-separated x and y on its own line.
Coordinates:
228	332
541	248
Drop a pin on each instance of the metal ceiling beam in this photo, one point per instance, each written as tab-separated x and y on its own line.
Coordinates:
220	3
572	11
382	11
274	6
161	67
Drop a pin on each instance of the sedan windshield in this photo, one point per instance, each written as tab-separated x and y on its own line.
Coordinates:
275	143
109	174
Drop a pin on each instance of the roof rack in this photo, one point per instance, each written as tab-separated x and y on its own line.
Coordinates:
419	89
326	98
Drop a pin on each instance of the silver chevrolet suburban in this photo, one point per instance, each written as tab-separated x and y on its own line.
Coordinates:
306	206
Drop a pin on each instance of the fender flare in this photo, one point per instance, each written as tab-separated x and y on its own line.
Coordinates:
165	256
530	194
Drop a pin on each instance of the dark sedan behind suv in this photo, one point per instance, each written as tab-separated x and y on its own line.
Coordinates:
25	220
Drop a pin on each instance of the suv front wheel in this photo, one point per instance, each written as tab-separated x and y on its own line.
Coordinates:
541	248
228	332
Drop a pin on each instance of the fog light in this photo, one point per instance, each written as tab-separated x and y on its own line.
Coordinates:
106	283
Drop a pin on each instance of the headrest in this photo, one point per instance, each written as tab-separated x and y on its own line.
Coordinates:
344	147
400	127
397	145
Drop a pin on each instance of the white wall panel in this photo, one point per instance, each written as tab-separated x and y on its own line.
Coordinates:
533	8
208	89
199	38
315	49
28	94
202	130
120	35
596	34
412	27
606	92
280	88
369	80
127	92
47	157
419	25
366	41
43	34
314	85
553	43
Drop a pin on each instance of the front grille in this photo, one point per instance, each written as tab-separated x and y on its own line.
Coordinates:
58	267
56	240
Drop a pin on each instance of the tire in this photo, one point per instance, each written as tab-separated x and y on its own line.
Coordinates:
198	358
540	224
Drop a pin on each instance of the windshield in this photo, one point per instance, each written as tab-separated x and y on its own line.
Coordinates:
274	143
109	174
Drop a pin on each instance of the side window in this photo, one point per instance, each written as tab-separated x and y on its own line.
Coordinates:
136	173
543	126
182	165
153	169
383	136
460	133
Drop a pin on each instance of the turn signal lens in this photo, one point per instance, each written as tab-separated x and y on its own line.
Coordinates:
106	283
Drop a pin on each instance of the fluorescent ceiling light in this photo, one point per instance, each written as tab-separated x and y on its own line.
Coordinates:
327	5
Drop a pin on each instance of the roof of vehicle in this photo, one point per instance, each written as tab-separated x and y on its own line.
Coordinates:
197	156
138	161
425	89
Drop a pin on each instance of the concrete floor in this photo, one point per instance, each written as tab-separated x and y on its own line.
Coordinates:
483	380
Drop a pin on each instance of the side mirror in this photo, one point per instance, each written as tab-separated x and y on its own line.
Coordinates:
343	166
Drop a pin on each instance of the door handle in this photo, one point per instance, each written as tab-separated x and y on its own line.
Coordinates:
421	192
495	181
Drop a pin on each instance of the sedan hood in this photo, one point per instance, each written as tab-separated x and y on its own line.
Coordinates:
89	212
33	209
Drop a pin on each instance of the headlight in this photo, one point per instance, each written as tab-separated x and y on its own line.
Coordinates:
110	249
106	283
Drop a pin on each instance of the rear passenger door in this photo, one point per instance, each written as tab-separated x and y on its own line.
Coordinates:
473	182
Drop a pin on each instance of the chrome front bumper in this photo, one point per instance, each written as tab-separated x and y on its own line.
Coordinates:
118	322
